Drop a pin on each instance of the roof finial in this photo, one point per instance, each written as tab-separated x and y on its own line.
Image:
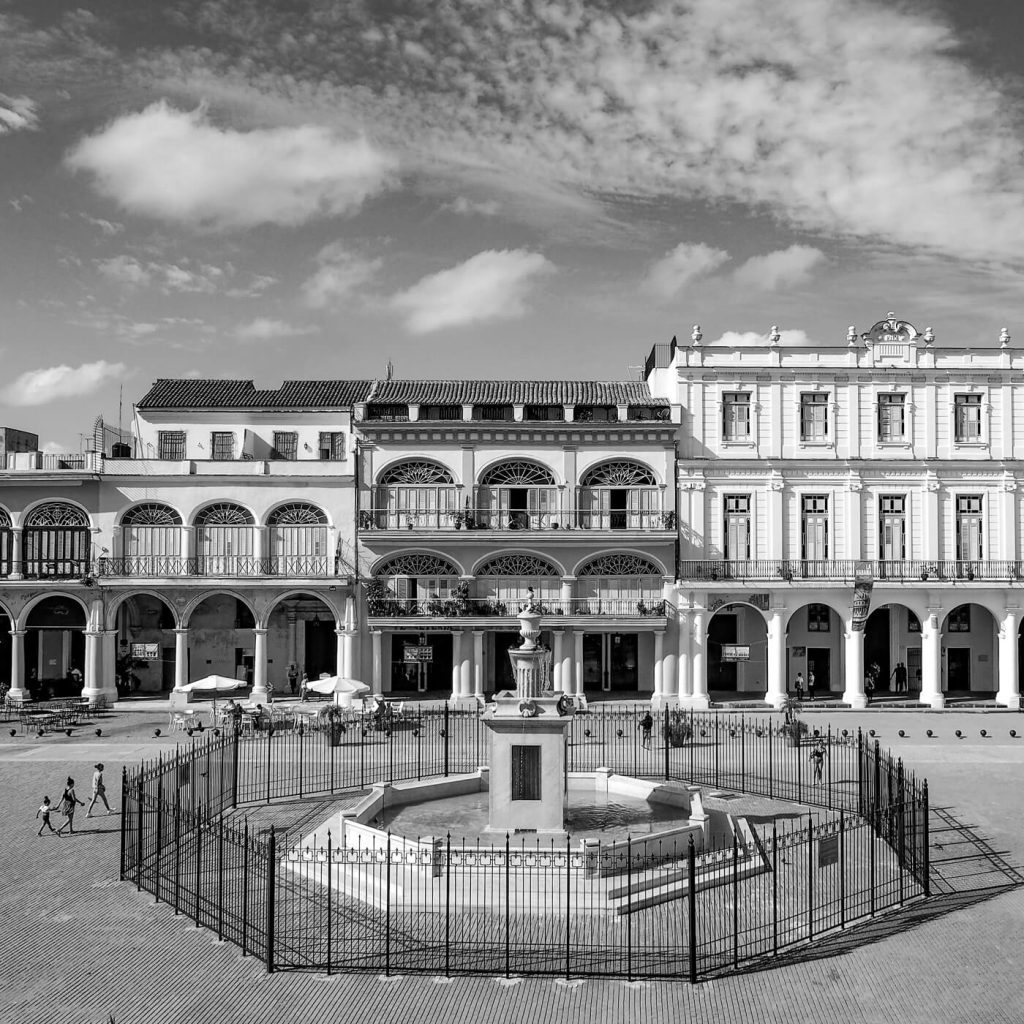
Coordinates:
929	335
851	335
696	336
774	337
1004	337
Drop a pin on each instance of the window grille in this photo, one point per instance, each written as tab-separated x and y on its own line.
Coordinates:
171	444
286	445
222	446
332	446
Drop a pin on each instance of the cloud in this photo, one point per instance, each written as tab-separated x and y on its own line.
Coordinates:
491	285
676	269
265	329
256	287
781	269
170	278
340	275
108	227
37	387
17	114
751	339
470	207
176	166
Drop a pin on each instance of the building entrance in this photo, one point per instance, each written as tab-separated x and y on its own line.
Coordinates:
610	661
419	676
819	661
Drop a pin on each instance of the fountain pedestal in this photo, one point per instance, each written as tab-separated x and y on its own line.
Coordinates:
527	777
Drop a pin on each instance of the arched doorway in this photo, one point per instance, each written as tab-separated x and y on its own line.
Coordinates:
221	639
145	645
301	637
969	651
815	645
55	648
737	651
892	650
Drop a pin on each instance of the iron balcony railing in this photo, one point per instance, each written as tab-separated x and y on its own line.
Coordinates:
309	566
470	519
632	608
881	570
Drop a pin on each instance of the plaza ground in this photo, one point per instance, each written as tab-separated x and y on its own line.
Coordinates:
77	945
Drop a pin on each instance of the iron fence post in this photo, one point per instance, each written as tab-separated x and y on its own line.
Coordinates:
775	890
872	837
234	764
743	753
901	833
691	874
245	889
810	878
266	766
771	760
926	853
199	864
270	855
735	901
159	827
138	837
124	821
448	904
664	740
445	733
629	907
330	902
508	910
828	766
177	860
568	904
842	869
387	911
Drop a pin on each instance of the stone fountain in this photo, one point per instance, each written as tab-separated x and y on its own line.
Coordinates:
527	776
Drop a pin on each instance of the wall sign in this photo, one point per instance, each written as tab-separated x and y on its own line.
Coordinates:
418	654
146	652
735	652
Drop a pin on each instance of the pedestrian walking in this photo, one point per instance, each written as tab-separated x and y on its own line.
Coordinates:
302	686
645	727
810	685
293	677
44	811
869	686
900	674
99	790
799	684
818	760
68	802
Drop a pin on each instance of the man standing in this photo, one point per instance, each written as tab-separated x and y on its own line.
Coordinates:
901	677
810	684
799	685
293	677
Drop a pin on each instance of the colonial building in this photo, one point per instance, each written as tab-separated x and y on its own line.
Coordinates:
738	517
818	483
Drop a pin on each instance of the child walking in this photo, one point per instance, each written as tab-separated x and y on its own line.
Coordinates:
44	810
68	803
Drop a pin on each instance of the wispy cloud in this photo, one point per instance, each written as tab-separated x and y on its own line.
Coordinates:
108	227
491	285
176	166
340	275
37	387
685	263
17	114
265	329
783	268
168	277
473	207
751	339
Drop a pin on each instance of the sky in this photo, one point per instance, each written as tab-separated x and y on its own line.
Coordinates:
279	189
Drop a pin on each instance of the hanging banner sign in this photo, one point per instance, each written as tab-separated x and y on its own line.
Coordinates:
418	654
735	652
861	601
146	652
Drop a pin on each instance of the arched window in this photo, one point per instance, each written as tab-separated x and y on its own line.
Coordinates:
504	582
297	541
518	495
225	540
57	542
620	583
415	494
6	546
151	541
416	583
620	495
151	513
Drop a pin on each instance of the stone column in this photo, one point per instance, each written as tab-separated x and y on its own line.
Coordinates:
93	679
17	557
343	653
466	682
1008	695
478	664
577	669
259	694
457	664
698	645
931	661
556	663
108	654
18	690
776	692
853	693
293	645
378	658
685	668
180	658
565	596
659	667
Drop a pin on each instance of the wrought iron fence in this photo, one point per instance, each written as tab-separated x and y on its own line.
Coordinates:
525	907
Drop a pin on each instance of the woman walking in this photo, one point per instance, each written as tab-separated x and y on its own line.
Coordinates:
68	802
99	790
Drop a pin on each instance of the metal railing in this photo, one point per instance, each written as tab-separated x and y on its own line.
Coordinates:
387	607
225	565
789	570
470	519
524	906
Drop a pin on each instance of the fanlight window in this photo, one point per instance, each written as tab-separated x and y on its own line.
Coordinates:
5	520
619	474
224	514
417	472
151	514
56	514
297	513
518	565
417	564
516	474
620	564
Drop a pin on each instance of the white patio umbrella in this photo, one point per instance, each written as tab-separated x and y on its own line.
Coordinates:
214	684
344	689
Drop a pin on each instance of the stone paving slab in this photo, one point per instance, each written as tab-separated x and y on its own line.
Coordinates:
76	945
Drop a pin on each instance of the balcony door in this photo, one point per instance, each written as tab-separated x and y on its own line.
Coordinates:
892	533
814	533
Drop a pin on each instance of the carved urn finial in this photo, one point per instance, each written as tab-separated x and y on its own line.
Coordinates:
1004	337
929	335
696	335
774	336
851	335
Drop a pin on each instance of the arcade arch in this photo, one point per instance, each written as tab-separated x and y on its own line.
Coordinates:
815	643
737	650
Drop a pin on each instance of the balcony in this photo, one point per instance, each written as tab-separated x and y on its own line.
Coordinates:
225	467
454	608
223	566
451	519
847	570
40	462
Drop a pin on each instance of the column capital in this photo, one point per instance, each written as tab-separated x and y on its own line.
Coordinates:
479	632
260	630
179	630
18	632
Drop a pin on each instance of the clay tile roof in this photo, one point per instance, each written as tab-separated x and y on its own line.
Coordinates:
514	392
242	394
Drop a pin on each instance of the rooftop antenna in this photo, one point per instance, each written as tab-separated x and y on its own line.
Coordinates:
391	370
120	412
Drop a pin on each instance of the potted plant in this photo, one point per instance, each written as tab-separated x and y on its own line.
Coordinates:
333	724
679	729
792	727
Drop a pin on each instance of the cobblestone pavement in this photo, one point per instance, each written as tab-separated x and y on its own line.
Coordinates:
77	945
